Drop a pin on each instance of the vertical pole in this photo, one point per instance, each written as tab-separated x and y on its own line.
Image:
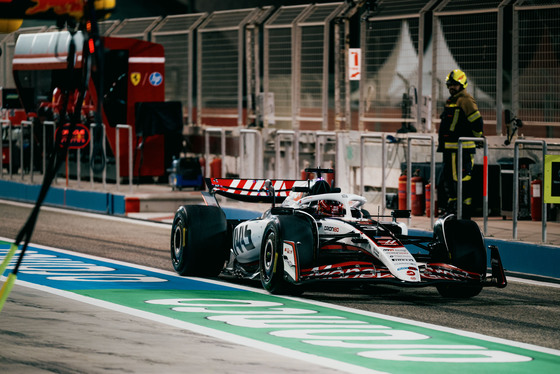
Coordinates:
21	164
32	156
223	151
433	196
207	153
78	167
10	148
130	158
383	176
460	180
1	146
104	146
92	127
118	160
485	188
362	149
337	78
408	175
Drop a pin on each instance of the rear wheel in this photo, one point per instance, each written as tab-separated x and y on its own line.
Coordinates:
199	245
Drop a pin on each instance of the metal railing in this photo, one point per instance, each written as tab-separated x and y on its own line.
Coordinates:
23	125
409	170
222	133
383	139
516	185
31	150
294	135
256	155
322	137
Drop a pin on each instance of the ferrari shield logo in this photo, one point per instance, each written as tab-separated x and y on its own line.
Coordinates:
135	78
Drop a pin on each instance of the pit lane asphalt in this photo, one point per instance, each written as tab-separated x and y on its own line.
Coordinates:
42	333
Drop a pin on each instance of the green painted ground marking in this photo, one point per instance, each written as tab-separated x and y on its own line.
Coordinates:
365	339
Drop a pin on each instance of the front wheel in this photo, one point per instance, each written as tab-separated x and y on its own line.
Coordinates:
271	264
199	245
461	244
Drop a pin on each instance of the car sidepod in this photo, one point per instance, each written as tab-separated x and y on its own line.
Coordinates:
247	240
351	250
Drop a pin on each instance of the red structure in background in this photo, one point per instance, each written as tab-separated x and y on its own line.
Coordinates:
133	73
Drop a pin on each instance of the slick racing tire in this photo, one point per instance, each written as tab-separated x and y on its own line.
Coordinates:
464	247
199	240
271	263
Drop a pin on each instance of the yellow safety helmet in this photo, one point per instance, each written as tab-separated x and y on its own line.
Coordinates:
457	77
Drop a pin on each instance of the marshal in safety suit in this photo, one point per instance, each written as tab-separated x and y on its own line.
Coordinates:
460	118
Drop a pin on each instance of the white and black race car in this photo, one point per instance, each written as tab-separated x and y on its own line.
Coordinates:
318	234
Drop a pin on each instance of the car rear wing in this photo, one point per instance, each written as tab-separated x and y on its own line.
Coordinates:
254	190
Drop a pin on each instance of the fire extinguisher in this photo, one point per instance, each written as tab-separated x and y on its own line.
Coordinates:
417	195
202	162
329	177
216	168
536	200
402	191
429	201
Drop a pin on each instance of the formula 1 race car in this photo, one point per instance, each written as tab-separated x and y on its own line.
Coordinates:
318	234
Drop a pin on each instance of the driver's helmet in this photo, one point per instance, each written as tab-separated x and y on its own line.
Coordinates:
330	208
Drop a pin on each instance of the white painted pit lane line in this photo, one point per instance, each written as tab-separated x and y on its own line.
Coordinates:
258	344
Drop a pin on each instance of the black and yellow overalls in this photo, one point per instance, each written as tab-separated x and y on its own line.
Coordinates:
460	118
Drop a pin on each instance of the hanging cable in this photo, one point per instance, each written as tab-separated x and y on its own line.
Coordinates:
62	139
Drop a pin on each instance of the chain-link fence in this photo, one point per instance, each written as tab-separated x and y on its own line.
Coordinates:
467	38
176	34
392	39
279	71
286	67
536	64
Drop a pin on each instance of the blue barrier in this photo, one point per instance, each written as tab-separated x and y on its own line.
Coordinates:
101	202
526	258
